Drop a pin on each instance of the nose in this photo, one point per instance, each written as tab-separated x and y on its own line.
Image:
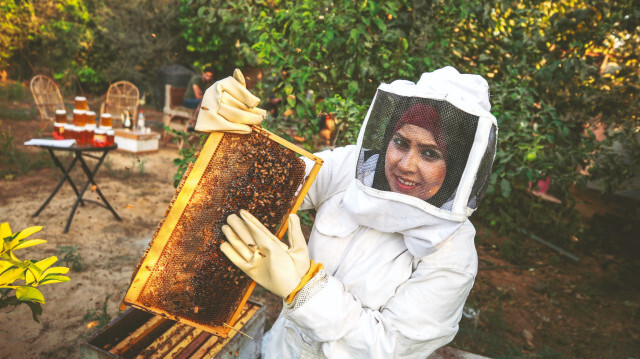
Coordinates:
408	162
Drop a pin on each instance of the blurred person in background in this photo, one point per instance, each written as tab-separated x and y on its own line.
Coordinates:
196	88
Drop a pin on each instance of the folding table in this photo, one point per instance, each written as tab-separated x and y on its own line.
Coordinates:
79	153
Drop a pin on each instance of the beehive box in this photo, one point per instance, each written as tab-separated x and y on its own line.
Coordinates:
139	334
183	275
137	141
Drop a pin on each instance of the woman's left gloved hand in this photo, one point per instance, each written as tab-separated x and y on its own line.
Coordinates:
263	257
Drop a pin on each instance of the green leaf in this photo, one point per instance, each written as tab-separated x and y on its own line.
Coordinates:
33	274
29	243
26	293
52	278
329	35
4	265
380	24
354	34
55	270
405	43
353	87
28	231
5	230
46	263
36	310
11	275
288	89
505	187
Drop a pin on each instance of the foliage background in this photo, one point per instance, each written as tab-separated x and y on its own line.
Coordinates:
557	71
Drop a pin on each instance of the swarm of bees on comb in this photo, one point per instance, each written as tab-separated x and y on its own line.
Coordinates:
192	278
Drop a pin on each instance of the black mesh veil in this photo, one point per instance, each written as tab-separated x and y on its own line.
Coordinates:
443	137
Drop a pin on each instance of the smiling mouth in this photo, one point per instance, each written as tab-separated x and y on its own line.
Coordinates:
405	185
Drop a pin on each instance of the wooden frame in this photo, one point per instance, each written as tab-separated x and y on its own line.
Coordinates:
165	231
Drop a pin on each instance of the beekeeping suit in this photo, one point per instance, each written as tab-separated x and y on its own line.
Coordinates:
397	269
398	263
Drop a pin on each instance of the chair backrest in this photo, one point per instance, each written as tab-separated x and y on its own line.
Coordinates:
121	96
46	95
177	96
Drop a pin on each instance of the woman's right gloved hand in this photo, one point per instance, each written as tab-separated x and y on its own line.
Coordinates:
227	106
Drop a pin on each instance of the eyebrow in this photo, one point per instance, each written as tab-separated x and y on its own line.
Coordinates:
422	146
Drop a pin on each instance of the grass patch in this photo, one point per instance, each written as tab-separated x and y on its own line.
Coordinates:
100	315
16	161
137	169
71	258
12	91
18	114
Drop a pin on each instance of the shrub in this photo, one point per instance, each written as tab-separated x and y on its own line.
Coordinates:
32	273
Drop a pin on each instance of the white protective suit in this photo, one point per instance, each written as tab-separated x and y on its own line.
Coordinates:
398	269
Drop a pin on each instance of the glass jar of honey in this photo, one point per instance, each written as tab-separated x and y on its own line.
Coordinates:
81	135
58	128
91	118
61	116
79	117
89	133
100	137
105	120
80	103
111	137
67	133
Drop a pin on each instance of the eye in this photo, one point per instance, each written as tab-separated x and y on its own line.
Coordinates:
400	142
431	154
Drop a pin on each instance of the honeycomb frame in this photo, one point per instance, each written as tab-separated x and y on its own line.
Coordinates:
168	224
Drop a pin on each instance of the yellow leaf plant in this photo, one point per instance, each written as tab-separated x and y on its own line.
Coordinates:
19	278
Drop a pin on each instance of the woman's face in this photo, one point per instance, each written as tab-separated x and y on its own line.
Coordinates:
414	164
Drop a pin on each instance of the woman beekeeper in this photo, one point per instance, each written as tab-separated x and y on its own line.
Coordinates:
393	257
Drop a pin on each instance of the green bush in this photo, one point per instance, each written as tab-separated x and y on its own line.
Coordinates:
12	91
14	160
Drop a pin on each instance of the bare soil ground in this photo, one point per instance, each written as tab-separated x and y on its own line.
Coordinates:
551	308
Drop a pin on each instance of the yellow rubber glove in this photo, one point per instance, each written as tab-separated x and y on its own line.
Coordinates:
262	256
227	106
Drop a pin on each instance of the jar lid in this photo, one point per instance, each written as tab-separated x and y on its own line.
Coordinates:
61	112
56	124
106	115
79	112
106	128
100	131
91	126
91	113
80	98
111	132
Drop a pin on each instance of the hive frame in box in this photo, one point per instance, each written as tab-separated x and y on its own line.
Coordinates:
166	228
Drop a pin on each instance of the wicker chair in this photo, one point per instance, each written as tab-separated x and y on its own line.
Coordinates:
122	97
46	95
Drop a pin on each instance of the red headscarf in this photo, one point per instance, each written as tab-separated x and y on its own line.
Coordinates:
424	116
